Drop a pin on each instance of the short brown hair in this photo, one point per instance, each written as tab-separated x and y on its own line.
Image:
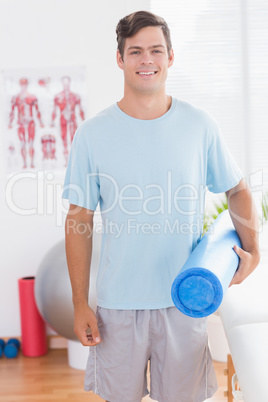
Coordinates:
132	23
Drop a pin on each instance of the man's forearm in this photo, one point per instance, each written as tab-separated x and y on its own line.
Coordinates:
245	218
78	243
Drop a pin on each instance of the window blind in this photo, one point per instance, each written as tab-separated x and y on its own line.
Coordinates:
221	65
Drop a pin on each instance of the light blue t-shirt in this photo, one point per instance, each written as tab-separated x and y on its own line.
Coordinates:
149	178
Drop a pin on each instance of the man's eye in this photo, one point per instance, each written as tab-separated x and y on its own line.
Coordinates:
135	52
156	51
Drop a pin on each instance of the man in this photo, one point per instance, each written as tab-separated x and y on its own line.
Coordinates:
147	160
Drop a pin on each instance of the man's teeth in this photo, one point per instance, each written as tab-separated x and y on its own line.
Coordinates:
150	73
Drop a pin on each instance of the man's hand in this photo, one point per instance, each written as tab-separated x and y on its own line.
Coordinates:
245	218
85	326
247	264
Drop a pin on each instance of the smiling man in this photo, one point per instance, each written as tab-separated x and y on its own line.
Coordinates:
145	61
147	161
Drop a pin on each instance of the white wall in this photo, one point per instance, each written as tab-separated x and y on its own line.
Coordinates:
50	33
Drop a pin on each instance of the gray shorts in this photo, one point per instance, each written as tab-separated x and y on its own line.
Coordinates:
175	345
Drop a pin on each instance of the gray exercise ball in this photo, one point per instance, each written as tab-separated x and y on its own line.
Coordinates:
53	291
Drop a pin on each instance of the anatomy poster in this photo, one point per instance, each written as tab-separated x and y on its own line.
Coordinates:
42	109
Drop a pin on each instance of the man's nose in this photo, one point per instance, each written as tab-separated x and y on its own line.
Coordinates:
146	58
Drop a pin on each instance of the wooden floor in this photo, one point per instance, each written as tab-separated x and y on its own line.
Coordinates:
49	378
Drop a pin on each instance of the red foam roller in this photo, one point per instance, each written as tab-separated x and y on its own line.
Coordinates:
33	330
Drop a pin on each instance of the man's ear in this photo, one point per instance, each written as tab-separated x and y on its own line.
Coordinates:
171	58
119	60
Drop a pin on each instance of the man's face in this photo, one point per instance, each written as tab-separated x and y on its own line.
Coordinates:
146	61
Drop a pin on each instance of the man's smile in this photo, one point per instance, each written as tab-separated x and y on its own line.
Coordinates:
146	73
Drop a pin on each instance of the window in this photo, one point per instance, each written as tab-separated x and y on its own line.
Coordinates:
221	65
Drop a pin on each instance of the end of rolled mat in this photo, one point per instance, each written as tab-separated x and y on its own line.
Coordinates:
197	292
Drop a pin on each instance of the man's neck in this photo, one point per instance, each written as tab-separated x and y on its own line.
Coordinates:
145	107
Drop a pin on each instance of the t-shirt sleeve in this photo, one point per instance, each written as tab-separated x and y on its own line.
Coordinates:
223	172
81	184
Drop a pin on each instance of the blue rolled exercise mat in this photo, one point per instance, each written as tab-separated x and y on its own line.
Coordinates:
198	289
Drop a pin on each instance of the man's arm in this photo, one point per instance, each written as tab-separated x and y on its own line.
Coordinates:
246	222
78	243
